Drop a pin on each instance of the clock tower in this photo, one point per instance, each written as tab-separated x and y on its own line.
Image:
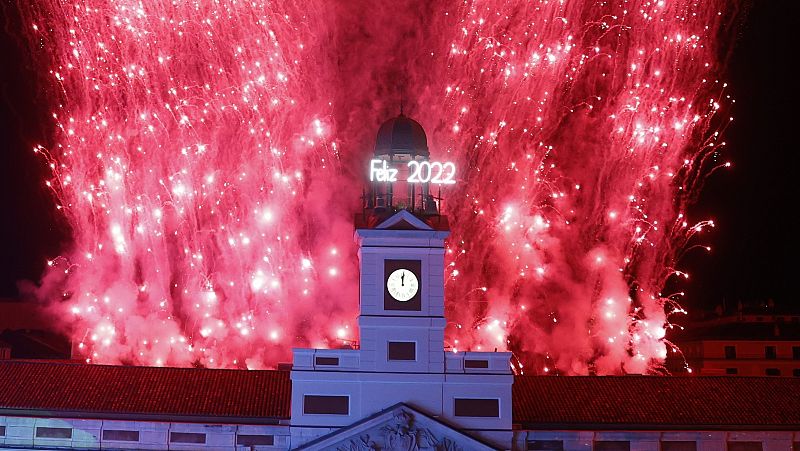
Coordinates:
401	360
402	293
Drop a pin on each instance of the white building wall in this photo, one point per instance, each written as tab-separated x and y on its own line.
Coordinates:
651	440
87	434
20	433
303	435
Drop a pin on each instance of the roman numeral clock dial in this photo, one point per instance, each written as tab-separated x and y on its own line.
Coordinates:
402	284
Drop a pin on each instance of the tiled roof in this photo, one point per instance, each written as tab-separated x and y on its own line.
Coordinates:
657	403
539	402
128	391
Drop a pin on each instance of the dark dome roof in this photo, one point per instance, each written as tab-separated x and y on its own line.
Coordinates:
401	135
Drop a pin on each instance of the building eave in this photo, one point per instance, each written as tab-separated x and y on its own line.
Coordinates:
652	427
138	416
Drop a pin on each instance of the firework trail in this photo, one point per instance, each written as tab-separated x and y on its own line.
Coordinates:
208	158
588	128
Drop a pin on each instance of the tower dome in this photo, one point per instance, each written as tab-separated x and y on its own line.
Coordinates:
402	136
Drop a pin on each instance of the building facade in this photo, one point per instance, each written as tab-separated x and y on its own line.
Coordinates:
398	390
744	344
51	405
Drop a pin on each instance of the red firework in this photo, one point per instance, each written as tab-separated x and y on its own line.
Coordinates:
209	157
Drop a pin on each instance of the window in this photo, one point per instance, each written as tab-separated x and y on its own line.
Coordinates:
546	445
744	446
730	352
731	370
772	372
327	361
678	445
54	432
2	431
796	373
770	352
402	350
326	405
255	440
476	363
605	445
470	407
187	437
121	436
796	352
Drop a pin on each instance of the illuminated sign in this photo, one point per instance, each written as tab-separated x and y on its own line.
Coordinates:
379	171
419	172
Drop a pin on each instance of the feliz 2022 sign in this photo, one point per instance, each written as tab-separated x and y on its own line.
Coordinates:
418	172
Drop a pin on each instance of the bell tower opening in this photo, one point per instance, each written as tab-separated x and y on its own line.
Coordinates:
400	170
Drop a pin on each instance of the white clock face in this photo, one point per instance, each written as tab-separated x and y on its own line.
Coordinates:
402	284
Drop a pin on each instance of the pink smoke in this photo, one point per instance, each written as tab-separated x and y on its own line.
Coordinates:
209	159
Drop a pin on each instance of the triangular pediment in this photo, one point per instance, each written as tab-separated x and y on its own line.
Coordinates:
399	427
403	220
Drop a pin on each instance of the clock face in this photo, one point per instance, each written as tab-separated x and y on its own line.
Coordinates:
402	284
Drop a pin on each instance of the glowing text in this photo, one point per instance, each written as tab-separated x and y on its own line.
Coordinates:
419	172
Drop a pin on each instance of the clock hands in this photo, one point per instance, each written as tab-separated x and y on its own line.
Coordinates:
396	285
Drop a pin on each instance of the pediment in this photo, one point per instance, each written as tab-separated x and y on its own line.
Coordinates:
397	428
403	220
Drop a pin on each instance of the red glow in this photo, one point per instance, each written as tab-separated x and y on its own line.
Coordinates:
210	155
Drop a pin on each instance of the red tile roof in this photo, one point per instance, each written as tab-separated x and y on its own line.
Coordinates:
539	402
657	403
144	392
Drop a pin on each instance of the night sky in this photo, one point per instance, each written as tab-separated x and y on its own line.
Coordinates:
755	243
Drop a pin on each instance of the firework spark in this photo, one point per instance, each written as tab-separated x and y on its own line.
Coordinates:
208	158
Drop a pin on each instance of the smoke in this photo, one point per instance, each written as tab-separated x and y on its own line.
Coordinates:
209	158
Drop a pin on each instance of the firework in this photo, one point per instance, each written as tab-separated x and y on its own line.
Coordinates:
209	156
